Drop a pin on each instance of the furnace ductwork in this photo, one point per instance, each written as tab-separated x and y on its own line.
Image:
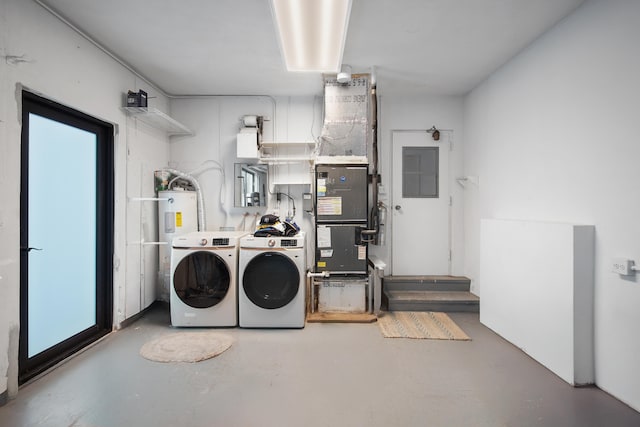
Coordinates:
346	130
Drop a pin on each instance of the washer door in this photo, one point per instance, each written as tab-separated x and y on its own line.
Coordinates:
201	279
271	280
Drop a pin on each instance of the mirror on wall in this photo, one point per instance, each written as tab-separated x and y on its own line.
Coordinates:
250	184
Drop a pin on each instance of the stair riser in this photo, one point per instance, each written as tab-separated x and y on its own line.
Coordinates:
426	286
457	307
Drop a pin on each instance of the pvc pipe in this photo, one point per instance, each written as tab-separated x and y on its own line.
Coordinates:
321	274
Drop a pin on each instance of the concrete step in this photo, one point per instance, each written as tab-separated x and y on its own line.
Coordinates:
443	301
426	283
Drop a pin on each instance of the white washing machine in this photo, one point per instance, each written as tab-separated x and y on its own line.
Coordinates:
204	271
272	284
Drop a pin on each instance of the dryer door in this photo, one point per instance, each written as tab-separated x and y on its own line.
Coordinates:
201	279
271	280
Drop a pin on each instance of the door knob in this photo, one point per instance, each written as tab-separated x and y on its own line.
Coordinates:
398	207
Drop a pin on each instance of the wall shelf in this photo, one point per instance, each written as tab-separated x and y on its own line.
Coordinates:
280	160
286	144
293	182
289	162
158	119
274	153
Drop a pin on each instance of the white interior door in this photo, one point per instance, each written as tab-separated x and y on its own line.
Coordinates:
420	241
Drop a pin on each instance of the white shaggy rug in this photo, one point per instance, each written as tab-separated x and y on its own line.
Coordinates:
186	346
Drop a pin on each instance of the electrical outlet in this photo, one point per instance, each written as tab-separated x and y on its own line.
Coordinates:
622	266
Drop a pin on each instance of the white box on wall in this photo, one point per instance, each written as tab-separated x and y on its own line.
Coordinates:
247	144
537	291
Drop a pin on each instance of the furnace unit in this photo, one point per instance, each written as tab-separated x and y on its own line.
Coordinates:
341	216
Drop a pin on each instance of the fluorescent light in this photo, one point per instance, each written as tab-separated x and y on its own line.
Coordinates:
312	33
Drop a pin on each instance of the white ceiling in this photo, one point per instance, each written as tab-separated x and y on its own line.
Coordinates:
229	47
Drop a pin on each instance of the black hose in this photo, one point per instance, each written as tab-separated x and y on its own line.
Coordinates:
374	217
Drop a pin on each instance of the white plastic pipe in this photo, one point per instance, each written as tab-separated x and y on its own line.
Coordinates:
217	166
321	274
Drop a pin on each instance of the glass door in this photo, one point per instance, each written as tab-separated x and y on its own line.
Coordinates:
66	233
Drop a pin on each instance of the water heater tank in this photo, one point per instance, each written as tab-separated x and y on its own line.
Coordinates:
177	214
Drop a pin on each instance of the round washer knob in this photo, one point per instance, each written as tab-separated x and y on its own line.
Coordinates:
203	242
271	243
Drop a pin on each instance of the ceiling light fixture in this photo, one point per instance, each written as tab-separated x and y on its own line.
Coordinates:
312	33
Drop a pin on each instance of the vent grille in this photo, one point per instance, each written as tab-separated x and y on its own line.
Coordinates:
288	242
220	242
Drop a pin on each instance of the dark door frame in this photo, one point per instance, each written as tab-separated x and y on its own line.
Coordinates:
31	103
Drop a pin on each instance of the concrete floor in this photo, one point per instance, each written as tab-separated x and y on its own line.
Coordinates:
323	375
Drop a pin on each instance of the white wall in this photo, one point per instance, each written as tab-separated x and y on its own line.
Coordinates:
550	135
415	112
553	136
57	63
560	338
215	121
61	65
